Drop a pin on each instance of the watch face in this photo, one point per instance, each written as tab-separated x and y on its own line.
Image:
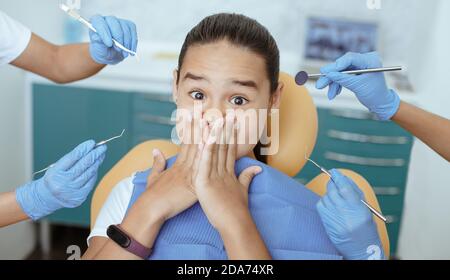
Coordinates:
118	236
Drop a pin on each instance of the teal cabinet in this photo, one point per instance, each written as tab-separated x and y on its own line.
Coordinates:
152	116
65	116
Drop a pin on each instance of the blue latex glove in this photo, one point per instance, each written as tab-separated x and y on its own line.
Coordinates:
102	48
65	185
347	220
370	88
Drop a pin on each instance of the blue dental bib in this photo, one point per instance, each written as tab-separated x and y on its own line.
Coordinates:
284	212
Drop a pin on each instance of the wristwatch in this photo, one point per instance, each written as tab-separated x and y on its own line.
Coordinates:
124	240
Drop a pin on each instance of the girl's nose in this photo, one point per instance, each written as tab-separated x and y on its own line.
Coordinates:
211	116
213	112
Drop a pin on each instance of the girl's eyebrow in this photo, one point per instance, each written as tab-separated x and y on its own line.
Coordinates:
248	83
243	83
191	76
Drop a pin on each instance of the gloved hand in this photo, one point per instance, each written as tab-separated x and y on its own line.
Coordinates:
67	184
102	48
347	220
370	88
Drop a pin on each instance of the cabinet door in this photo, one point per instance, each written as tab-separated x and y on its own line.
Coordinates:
152	112
63	117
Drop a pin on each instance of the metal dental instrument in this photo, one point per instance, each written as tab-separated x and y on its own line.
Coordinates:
302	76
110	139
73	13
373	210
320	167
96	145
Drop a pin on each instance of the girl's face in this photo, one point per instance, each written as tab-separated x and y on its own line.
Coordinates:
222	77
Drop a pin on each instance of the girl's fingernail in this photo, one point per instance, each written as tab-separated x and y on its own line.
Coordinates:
211	140
155	152
218	123
230	117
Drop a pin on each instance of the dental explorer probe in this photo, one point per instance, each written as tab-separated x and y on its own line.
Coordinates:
95	146
373	210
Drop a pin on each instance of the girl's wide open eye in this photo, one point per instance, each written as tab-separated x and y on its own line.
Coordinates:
197	95
238	100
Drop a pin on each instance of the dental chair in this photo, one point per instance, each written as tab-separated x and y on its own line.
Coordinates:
297	133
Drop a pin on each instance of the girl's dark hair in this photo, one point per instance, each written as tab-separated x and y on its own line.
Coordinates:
241	31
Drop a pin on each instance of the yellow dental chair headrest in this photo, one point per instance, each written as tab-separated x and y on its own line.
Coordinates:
298	128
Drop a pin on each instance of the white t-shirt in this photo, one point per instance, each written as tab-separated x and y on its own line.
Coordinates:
114	209
14	38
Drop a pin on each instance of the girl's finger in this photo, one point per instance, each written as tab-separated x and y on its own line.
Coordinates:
197	159
204	168
195	141
223	147
216	134
159	164
246	176
232	148
205	130
186	123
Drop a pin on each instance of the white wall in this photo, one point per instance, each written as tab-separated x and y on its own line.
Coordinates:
426	224
17	241
285	19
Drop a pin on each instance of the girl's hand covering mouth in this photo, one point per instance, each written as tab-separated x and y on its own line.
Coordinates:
222	196
205	172
171	190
